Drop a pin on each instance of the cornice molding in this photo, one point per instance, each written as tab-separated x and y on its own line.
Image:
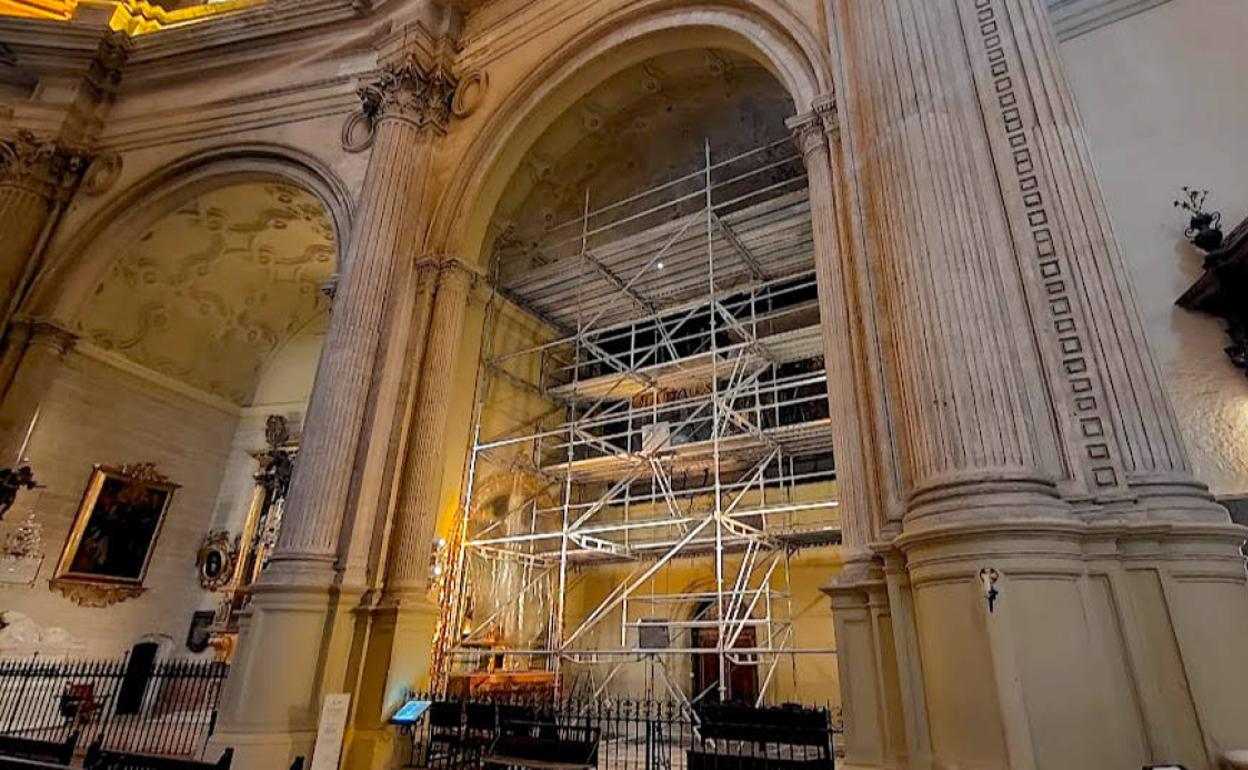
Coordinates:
1072	18
122	364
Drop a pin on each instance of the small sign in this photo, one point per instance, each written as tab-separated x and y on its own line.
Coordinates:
410	713
329	731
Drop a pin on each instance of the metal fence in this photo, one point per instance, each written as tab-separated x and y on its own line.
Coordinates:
166	707
632	734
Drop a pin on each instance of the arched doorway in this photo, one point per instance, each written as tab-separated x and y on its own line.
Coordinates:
594	229
741	684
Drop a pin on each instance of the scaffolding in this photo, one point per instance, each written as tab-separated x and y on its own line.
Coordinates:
676	409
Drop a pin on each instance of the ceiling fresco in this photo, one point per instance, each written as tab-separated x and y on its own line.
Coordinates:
214	288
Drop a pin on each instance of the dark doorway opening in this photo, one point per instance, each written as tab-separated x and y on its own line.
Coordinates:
741	678
134	681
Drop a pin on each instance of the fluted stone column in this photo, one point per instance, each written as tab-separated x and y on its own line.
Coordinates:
412	541
836	311
404	620
273	694
1040	614
36	350
36	174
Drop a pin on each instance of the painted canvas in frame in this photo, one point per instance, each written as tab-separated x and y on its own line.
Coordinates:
117	525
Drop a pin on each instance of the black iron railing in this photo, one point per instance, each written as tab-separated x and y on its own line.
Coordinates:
167	707
630	734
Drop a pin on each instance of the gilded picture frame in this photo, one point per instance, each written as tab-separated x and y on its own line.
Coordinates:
110	545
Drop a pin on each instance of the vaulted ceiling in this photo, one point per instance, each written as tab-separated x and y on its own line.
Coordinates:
214	288
645	125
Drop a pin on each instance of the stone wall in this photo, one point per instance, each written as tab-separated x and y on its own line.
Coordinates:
98	413
1165	102
95	413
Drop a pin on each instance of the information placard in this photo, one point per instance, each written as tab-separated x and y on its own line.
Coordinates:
329	731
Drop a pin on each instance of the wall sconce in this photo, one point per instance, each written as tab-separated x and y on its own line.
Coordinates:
988	579
1204	229
435	560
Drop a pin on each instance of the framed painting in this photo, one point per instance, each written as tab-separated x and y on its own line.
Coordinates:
110	544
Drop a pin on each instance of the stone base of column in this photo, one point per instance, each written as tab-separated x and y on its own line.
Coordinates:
271	702
397	657
1106	644
867	664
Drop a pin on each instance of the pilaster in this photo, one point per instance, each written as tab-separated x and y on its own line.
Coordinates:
404	619
971	418
1115	419
407	107
814	132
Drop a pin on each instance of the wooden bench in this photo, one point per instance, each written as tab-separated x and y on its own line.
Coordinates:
744	738
101	759
544	745
55	752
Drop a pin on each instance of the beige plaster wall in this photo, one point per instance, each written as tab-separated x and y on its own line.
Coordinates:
95	413
284	389
1164	98
806	678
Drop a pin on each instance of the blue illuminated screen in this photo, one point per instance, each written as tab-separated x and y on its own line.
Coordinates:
410	713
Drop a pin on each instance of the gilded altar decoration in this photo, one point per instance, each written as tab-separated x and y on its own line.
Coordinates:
217	560
110	544
131	17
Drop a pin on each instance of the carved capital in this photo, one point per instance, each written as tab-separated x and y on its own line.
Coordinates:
410	92
453	273
39	165
811	130
46	334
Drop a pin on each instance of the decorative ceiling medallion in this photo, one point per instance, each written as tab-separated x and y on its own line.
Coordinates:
469	93
91	594
101	174
358	132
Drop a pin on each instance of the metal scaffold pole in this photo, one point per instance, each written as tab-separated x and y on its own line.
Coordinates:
671	418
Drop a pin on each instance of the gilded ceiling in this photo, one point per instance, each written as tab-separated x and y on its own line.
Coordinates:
643	126
211	290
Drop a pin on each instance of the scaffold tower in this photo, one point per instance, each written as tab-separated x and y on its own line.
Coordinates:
665	412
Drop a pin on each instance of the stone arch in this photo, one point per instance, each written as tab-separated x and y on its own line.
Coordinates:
65	282
766	32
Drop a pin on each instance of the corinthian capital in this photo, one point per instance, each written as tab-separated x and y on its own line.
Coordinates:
411	92
39	165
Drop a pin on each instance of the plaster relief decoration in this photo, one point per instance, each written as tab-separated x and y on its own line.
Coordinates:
217	560
215	287
21	553
114	533
21	636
